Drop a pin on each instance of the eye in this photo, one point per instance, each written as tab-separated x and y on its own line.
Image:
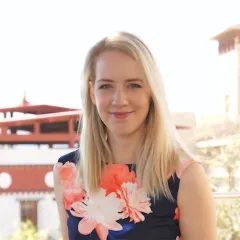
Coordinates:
105	86
134	85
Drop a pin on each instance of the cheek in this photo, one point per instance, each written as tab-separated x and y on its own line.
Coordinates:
102	102
144	103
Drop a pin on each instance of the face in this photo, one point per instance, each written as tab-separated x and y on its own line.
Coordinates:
120	93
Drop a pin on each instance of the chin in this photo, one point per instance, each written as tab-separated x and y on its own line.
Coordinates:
120	131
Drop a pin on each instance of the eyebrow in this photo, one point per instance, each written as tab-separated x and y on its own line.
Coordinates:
127	80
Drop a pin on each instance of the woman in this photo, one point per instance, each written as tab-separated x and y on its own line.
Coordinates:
132	178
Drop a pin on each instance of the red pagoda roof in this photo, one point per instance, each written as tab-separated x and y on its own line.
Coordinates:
51	117
36	109
27	107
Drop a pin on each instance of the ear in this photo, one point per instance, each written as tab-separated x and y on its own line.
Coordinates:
91	89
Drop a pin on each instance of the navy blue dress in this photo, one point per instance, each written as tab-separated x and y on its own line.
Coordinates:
161	224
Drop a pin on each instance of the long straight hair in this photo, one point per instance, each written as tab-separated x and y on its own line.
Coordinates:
160	147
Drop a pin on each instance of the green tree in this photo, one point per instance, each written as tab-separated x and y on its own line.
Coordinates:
223	149
228	220
28	231
220	147
225	156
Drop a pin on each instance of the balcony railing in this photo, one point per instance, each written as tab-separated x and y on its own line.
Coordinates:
226	195
228	215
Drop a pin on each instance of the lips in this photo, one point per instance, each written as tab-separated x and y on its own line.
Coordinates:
120	115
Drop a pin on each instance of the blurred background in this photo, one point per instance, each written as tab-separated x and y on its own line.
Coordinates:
42	48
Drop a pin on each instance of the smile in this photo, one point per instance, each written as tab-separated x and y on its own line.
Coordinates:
120	115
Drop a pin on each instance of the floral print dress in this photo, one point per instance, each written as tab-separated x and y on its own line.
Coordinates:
121	210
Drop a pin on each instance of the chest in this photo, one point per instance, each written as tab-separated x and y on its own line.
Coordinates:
162	223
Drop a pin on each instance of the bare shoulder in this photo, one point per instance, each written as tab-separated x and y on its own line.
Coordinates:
58	191
196	205
193	173
56	167
56	174
57	182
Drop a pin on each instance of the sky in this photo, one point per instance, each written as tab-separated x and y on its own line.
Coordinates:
43	45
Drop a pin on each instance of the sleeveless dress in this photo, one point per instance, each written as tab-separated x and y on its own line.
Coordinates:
121	210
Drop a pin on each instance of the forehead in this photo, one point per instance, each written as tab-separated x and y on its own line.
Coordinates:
117	65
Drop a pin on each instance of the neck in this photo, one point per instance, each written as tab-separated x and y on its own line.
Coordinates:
125	148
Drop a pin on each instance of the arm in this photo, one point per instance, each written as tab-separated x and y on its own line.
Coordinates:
196	205
60	204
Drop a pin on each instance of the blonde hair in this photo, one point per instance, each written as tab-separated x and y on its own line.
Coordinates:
159	154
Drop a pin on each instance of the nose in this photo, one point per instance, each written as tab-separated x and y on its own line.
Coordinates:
119	97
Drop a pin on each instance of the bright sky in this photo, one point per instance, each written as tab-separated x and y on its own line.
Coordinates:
43	45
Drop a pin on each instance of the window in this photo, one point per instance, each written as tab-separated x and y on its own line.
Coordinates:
29	211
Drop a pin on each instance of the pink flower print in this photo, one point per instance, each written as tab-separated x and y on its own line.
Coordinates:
176	217
71	191
99	211
68	173
114	175
135	202
71	195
